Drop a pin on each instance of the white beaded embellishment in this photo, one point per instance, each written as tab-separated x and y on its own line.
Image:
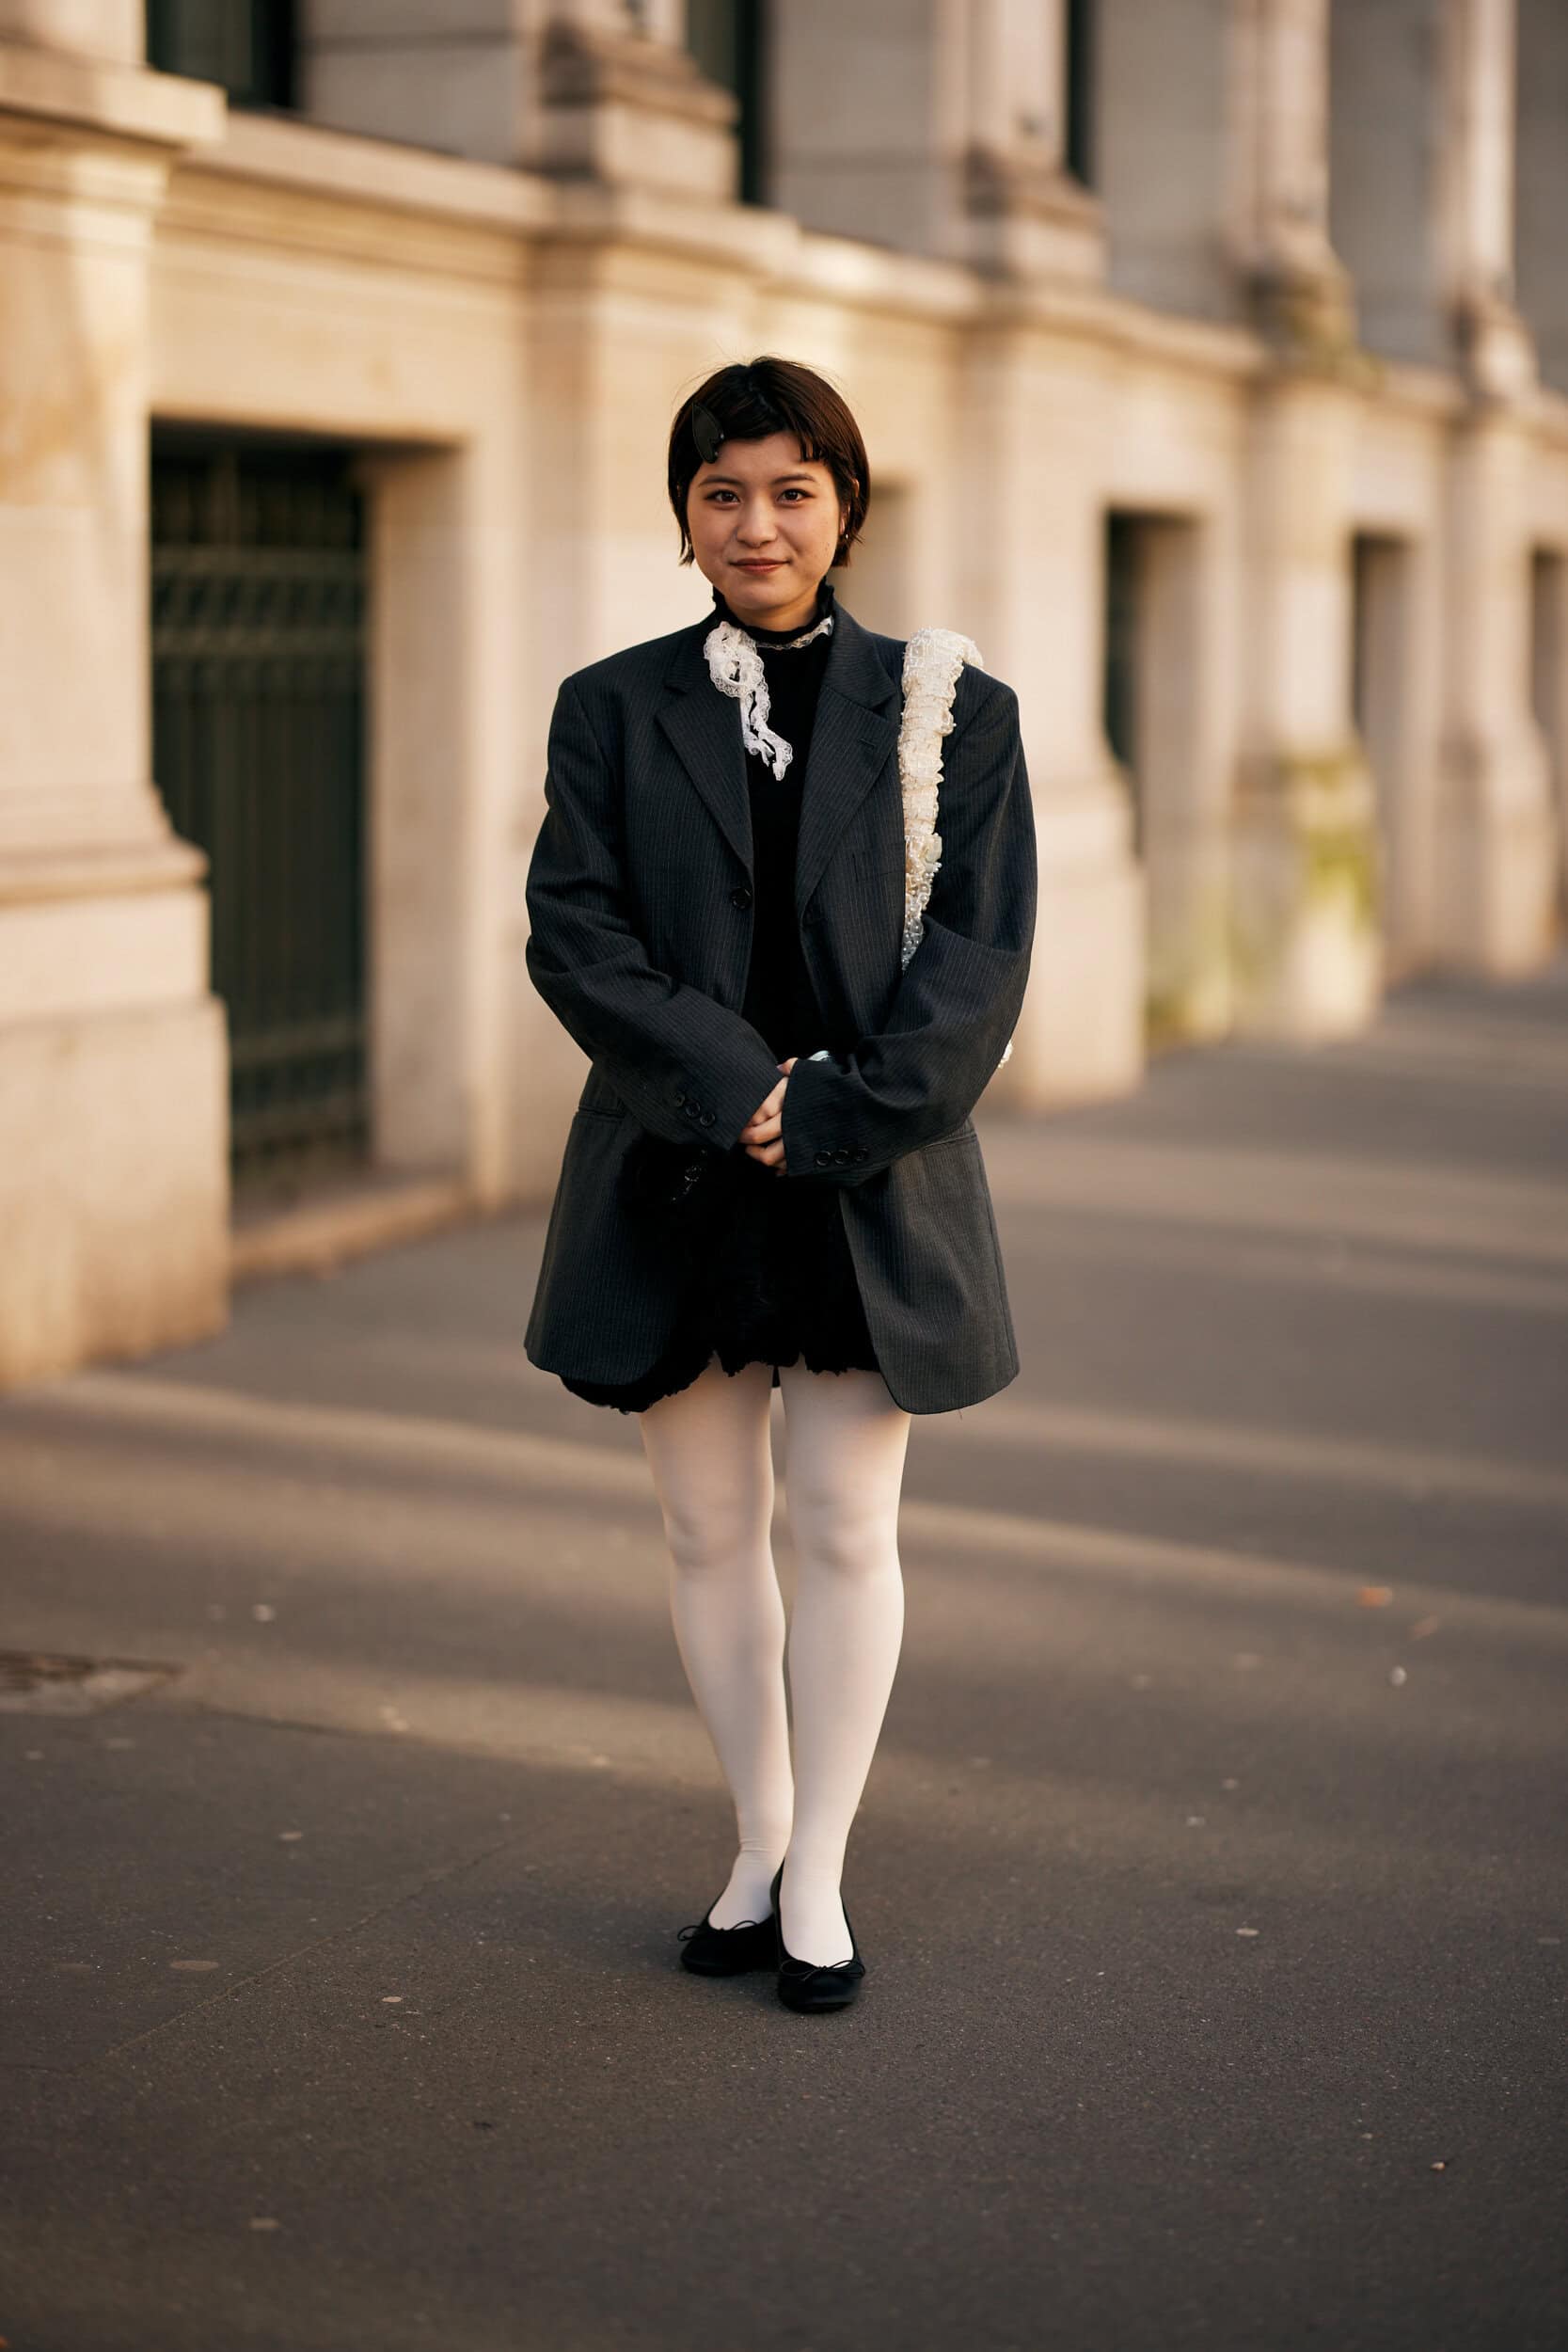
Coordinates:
736	668
932	660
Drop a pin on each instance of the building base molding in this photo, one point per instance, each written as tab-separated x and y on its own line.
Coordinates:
1496	855
1305	940
317	1235
1081	1035
114	1187
1189	995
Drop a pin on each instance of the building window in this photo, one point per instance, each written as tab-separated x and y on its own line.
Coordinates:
1078	87
247	46
728	38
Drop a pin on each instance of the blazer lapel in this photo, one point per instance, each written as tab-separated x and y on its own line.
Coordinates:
855	734
705	727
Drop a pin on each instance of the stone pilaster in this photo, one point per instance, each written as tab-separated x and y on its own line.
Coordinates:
1306	945
1298	289
1306	873
1029	492
616	97
932	128
1541	183
113	1171
1018	211
583	89
1496	826
1474	205
107	31
1496	833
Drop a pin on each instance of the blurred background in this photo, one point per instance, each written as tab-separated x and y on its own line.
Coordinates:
1212	357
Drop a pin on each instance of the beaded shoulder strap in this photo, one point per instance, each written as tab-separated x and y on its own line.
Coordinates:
933	659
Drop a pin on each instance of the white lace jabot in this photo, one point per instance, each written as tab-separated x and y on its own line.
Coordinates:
736	668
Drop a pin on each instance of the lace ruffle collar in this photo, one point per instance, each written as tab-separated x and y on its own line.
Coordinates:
735	664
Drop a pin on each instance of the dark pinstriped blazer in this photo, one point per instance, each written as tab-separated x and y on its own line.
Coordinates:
638	898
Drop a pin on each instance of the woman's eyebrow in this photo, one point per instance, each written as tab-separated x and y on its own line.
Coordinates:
735	482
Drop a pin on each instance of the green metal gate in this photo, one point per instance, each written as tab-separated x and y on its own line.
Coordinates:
258	699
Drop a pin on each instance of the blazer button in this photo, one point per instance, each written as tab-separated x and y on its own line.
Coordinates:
823	1159
705	1119
680	1097
689	1105
842	1157
741	897
858	1152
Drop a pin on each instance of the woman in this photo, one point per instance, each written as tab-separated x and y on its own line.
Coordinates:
772	1178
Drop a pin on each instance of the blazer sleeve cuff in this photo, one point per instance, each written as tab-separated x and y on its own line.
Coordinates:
713	1105
816	1131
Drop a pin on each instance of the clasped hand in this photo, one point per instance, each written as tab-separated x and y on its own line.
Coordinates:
763	1133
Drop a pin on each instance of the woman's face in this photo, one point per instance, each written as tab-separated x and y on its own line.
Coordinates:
763	524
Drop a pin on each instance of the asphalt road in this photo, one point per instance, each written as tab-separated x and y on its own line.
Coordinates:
1211	1876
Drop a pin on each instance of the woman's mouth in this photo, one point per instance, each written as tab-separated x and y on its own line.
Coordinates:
762	563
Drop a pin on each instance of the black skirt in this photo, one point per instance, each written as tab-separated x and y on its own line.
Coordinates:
770	1281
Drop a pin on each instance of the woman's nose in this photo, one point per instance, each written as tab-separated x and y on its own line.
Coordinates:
755	526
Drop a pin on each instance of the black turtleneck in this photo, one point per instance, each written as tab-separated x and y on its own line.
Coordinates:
780	1002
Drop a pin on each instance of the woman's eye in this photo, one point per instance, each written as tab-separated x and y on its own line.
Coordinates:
796	490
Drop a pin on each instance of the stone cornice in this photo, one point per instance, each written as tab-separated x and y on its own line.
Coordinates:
351	167
158	110
359	197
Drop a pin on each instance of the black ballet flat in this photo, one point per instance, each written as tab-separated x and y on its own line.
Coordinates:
725	1951
807	1985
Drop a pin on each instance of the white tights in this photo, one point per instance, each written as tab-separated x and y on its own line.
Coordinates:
709	1447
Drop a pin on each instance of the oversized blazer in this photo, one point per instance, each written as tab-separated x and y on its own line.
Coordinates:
640	901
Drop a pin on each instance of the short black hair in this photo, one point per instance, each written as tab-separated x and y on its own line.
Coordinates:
755	397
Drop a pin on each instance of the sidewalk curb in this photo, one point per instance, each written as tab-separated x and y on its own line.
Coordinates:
319	1235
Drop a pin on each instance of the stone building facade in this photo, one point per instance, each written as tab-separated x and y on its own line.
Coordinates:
1213	359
